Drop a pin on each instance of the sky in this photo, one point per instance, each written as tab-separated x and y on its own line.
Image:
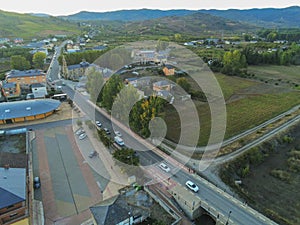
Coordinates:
67	7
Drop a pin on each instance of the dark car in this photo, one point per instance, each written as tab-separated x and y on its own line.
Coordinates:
106	130
36	182
93	153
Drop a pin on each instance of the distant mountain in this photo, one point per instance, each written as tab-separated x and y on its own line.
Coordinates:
285	17
28	26
127	15
269	17
193	24
40	14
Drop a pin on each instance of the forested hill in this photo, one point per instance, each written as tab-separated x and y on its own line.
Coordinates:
269	17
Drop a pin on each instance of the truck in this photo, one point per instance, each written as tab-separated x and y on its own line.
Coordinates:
119	141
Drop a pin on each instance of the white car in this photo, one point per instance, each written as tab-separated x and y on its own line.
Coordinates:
82	136
192	186
118	133
79	131
164	167
98	123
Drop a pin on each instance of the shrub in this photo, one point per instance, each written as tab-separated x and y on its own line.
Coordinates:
281	175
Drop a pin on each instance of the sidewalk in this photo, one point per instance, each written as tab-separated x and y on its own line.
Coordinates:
118	179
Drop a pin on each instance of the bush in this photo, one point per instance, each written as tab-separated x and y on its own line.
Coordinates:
281	175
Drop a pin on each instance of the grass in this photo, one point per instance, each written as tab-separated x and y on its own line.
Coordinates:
241	115
232	85
283	74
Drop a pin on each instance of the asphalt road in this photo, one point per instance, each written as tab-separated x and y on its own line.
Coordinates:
217	199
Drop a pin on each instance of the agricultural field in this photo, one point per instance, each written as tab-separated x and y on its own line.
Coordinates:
270	177
248	103
287	76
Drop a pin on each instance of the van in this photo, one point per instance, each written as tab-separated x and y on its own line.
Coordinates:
119	141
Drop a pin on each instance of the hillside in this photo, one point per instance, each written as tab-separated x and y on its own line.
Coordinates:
127	15
194	24
269	17
28	26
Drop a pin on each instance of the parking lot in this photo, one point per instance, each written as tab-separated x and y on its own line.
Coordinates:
68	184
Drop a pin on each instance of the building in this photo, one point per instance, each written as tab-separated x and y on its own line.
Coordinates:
128	208
38	90
74	72
13	195
21	111
169	70
11	90
25	77
162	85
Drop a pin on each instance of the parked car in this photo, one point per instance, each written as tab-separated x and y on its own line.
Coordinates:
118	133
93	153
79	131
106	130
98	124
192	186
164	167
36	182
82	136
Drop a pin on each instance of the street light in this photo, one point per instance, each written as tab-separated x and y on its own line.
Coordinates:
228	217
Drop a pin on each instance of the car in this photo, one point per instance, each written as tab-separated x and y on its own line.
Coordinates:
106	130
79	131
93	153
164	167
98	124
36	183
82	136
192	186
118	133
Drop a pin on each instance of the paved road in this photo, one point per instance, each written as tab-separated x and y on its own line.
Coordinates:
217	199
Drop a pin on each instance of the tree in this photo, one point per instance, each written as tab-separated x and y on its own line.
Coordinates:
182	82
94	84
110	91
38	60
234	63
124	102
126	156
143	112
18	62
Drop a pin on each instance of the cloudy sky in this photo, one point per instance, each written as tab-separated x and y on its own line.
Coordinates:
66	7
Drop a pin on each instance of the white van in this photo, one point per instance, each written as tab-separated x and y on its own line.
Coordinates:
119	141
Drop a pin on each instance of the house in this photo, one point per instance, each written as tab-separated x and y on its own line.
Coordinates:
13	195
25	77
169	70
164	94
132	80
162	85
38	90
76	71
118	210
18	40
11	90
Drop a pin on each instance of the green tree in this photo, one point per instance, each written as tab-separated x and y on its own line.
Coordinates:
18	62
38	60
234	63
182	82
143	112
111	89
126	156
94	84
177	37
124	102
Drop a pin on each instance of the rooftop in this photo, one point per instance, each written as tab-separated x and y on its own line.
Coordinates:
12	186
17	109
24	73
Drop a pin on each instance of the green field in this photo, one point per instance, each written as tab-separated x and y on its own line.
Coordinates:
254	103
283	75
